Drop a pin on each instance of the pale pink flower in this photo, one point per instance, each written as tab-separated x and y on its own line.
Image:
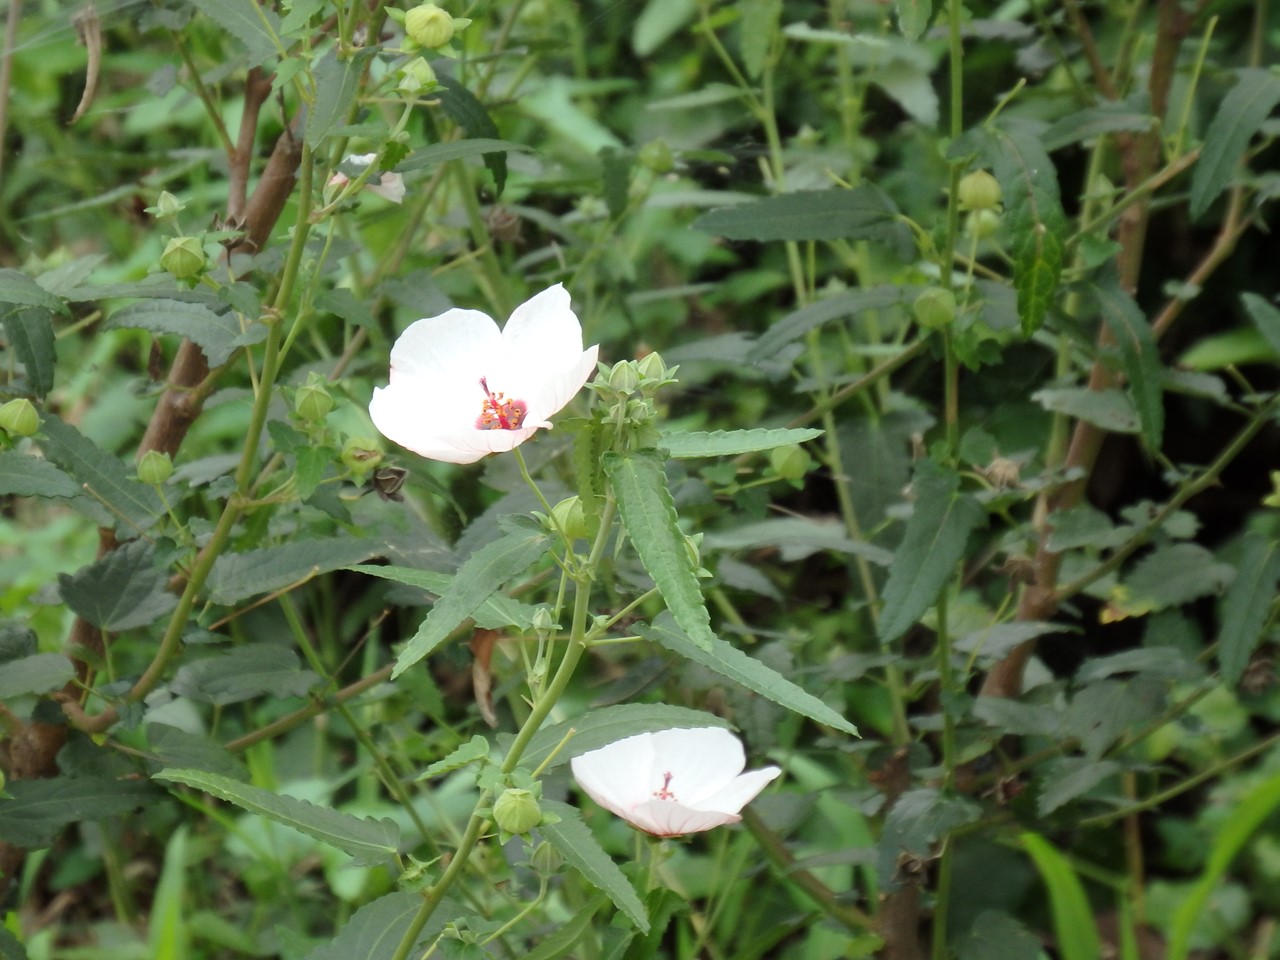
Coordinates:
672	781
388	185
461	389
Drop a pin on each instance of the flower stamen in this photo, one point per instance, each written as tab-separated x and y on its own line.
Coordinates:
665	793
497	412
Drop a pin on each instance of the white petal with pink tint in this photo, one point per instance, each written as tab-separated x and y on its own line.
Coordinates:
672	781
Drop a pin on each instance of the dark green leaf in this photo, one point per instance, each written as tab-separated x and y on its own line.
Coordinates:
376	929
932	546
576	844
728	661
236	576
797	538
795	325
299	15
367	840
20	290
568	933
104	476
121	591
864	213
602	727
1064	779
438	153
918	820
995	641
1109	409
244	673
1141	358
216	334
1015	718
480	576
649	517
40	809
1127	116
336	83
913	17
1157	661
727	443
1237	119
498	612
1247	604
253	24
759	30
1265	317
24	476
10	947
998	936
38	673
171	747
469	113
1106	709
30	333
1173	575
1083	526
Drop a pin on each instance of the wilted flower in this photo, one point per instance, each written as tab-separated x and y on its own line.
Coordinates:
672	781
387	185
461	389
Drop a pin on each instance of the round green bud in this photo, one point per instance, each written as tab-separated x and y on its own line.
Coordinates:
312	401
19	418
155	468
624	378
935	308
516	811
416	76
183	258
982	223
979	191
428	26
656	156
546	860
570	517
790	462
167	207
360	455
542	621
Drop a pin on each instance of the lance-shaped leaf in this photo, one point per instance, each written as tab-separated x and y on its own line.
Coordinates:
1247	604
368	840
336	83
1237	119
18	289
469	113
121	591
580	848
649	517
236	576
30	334
1265	316
216	333
1140	357
438	153
931	547
498	612
253	24
795	325
728	443
1077	934
104	476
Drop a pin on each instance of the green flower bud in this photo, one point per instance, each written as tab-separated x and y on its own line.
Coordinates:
979	191
167	207
516	811
624	378
428	26
546	860
652	367
416	76
19	418
935	308
312	401
982	223
183	258
656	156
155	468
360	455
790	462
571	518
542	621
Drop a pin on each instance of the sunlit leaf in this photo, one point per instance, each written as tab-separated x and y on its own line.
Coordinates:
725	443
1073	924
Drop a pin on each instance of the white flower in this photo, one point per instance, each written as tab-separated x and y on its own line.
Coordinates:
672	781
388	185
460	389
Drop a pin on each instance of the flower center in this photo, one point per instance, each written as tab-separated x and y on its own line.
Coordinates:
665	793
497	412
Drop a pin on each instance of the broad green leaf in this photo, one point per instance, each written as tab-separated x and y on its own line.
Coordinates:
1015	718
932	547
759	30
995	641
121	591
24	476
376	929
217	334
40	809
369	841
1140	357
1084	526
1237	119
1064	779
438	153
579	847
795	325
469	113
998	936
477	748
727	443
602	727
252	23
1170	576
480	576
913	17
918	819
1132	115
1105	710
336	84
245	673
1076	933
1265	316
18	289
728	661
171	747
1235	831
38	673
1167	661
863	213
498	612
155	286
1109	409
649	517
1247	604
1034	220
236	576
30	334
119	497
797	538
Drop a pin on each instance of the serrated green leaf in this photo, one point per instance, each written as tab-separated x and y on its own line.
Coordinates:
132	504
1141	359
1132	115
480	576
38	673
1237	119
30	334
376	929
795	325
218	335
1265	316
1066	778
759	29
253	24
998	936
469	113
576	844
1172	575
913	17
367	840
728	661
336	84
602	727
1109	409
589	441
477	748
1077	934
236	576
797	538
864	213
1247	604
245	673
21	290
121	591
438	153
932	545
39	809
23	476
498	612
727	443
1034	218
649	517
919	819
171	747
299	15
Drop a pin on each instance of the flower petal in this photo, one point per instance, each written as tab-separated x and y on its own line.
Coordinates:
666	819
701	760
619	773
452	347
738	792
390	186
544	332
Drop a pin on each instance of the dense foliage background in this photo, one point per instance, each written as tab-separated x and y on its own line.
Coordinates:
959	508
